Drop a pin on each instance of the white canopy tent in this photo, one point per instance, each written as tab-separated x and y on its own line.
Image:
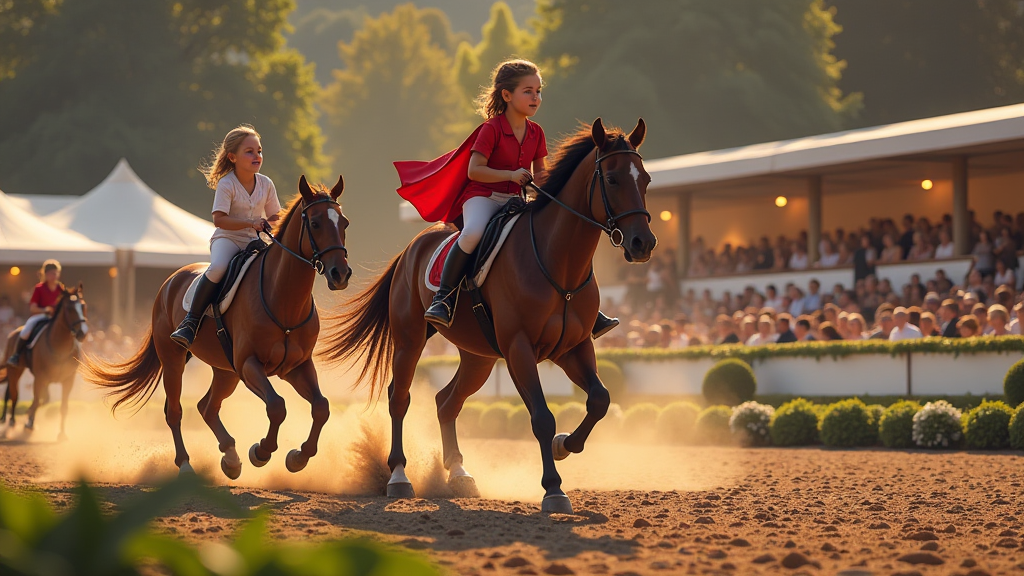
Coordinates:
42	204
26	238
124	212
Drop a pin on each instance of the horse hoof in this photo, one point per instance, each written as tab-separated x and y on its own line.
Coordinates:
556	504
401	490
231	469
295	461
186	469
62	437
256	459
558	447
463	487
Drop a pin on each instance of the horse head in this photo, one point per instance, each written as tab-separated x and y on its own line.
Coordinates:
74	311
326	225
622	181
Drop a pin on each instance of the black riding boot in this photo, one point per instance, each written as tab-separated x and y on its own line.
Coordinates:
603	325
442	309
19	347
206	292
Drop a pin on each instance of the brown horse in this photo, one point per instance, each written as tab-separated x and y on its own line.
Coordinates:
53	359
273	324
543	301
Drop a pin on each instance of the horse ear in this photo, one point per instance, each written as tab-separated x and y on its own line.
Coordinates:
636	137
338	188
304	189
597	131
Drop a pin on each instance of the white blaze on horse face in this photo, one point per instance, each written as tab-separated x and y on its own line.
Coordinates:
81	316
334	216
635	173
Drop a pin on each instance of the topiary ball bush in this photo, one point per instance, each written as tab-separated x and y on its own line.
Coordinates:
896	426
494	420
676	422
1013	384
848	423
609	429
750	423
987	427
712	425
468	420
1017	428
795	423
570	416
640	420
938	425
613	379
729	382
519	425
876	412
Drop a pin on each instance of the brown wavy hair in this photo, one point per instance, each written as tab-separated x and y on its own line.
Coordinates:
505	76
218	166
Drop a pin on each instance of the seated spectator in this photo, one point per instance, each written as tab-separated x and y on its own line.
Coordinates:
980	313
921	250
885	324
765	256
998	318
786	335
828	332
932	301
945	249
765	332
842	324
984	257
1004	296
928	325
942	283
845	255
949	313
726	330
903	329
748	329
829	257
1004	276
967	327
796	299
914	315
779	258
864	258
812	301
798	261
1018	319
772	298
892	252
802	329
856	327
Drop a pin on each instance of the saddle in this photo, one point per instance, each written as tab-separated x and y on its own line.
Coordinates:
237	268
37	333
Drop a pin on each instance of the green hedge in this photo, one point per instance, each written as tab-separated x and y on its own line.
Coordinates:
896	426
730	382
1013	384
795	423
987	427
848	423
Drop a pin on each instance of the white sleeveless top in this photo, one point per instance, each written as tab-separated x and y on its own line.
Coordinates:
234	200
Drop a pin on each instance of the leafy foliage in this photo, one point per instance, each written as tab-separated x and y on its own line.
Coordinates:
848	423
1013	384
494	420
750	422
676	423
1017	428
713	425
896	426
938	425
729	382
795	423
988	426
640	420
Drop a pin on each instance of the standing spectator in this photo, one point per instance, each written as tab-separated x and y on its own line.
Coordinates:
798	261
967	327
864	259
786	335
950	315
984	257
892	252
928	325
945	249
903	330
1005	249
765	332
802	329
998	318
907	238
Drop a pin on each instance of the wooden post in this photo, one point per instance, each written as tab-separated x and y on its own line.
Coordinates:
961	215
813	218
684	207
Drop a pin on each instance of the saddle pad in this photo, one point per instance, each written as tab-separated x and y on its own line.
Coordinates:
432	278
227	297
37	333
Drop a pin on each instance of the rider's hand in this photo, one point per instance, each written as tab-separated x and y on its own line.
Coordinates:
49	310
521	176
259	224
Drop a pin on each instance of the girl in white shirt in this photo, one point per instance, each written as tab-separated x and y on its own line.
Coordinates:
244	203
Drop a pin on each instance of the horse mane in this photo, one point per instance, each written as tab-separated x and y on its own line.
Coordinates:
291	208
571	150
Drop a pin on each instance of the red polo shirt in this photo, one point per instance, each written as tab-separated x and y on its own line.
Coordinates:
43	297
499	145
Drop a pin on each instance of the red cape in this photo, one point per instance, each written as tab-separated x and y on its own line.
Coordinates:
435	188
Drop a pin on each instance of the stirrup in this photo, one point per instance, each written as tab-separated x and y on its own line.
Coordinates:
608	326
186	332
448	317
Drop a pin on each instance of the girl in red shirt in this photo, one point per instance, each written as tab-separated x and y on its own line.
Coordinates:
44	300
503	149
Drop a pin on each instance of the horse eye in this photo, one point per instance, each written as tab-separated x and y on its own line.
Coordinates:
314	225
611	180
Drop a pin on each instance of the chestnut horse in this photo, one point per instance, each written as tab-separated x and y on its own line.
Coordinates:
273	325
543	300
53	359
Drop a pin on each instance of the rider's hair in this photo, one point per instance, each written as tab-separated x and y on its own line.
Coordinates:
505	76
50	264
219	165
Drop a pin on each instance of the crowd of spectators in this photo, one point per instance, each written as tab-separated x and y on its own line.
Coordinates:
882	241
107	341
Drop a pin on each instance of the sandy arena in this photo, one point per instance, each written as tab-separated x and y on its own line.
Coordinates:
640	509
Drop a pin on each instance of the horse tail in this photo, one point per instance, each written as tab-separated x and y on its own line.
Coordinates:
133	381
362	330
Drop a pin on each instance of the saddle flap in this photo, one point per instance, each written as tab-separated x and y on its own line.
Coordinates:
37	332
497	230
236	271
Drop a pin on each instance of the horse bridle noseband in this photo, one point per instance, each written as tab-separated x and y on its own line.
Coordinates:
612	227
316	260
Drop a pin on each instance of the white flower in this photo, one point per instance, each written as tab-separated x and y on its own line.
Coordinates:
751	419
939	420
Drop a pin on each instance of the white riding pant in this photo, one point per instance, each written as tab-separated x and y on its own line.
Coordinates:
31	323
222	250
476	212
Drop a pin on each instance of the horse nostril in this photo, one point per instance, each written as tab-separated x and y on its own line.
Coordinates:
637	245
334	274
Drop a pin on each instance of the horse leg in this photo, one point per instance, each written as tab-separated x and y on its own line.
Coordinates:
255	377
65	394
13	380
470	377
403	368
304	380
38	389
223	385
580	365
522	365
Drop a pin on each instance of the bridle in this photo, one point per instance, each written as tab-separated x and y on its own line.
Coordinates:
316	260
615	235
